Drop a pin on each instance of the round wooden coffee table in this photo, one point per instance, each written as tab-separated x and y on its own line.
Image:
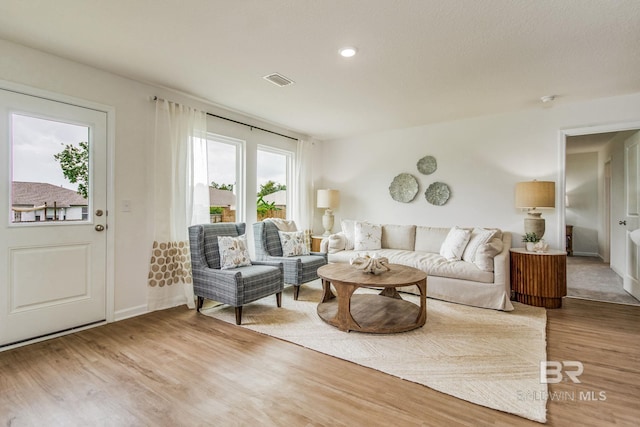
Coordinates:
382	313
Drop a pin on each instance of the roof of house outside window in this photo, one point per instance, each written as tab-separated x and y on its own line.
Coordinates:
38	193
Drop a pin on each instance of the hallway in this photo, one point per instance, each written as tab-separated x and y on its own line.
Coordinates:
590	278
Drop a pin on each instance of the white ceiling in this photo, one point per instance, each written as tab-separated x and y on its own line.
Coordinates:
419	61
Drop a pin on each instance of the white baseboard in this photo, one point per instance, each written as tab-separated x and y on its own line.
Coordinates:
130	312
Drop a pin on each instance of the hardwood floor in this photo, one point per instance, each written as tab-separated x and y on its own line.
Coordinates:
179	368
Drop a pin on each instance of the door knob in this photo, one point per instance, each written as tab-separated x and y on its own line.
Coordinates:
624	222
99	227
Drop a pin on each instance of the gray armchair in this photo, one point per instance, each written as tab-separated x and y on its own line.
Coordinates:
236	286
297	269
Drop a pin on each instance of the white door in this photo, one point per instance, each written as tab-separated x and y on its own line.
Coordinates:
631	279
52	239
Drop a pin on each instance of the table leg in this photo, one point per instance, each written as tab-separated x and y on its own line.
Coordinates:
326	291
422	316
343	316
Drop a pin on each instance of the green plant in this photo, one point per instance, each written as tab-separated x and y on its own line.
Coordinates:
264	207
215	210
530	237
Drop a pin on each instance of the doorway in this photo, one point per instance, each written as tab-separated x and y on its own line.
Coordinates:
53	215
594	209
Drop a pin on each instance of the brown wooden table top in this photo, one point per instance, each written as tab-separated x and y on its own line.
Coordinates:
399	275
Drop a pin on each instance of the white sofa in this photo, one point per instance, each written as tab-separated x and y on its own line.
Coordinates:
480	278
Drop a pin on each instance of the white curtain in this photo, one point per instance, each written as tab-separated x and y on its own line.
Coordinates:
180	199
304	206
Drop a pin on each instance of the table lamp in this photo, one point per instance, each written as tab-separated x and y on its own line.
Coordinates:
328	199
532	195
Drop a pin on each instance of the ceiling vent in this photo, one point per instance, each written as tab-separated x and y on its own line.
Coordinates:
278	79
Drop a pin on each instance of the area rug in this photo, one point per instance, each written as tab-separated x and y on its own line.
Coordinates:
487	357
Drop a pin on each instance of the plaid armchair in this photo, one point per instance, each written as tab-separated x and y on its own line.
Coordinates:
297	269
236	286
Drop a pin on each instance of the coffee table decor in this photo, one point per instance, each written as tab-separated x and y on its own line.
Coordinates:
371	265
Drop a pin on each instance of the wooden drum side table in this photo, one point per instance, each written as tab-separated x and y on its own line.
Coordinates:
539	278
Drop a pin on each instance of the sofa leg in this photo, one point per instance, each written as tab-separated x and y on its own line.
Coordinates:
238	315
199	303
296	291
279	299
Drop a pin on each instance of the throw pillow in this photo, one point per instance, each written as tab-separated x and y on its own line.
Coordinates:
293	243
233	252
349	230
486	253
368	236
479	236
283	224
454	244
336	243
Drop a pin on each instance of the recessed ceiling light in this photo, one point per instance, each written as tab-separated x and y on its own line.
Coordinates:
348	52
548	98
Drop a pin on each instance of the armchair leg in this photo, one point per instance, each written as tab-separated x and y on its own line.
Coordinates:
238	315
296	291
279	299
199	303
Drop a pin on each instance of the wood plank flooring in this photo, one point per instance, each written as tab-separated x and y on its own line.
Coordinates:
179	368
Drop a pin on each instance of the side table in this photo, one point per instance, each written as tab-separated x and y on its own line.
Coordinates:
539	278
315	243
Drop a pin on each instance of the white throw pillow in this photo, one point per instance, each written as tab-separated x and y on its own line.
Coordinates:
283	224
453	246
368	236
479	236
336	243
233	252
293	243
486	253
349	230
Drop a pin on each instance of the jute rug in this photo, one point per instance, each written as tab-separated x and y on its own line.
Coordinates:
487	357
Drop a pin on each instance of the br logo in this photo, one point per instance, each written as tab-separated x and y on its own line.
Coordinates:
553	372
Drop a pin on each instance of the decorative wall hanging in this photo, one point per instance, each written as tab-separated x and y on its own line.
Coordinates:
437	194
403	188
427	165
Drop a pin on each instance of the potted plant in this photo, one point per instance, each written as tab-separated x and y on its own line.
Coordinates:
530	239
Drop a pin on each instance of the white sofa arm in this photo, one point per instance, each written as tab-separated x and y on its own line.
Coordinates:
502	263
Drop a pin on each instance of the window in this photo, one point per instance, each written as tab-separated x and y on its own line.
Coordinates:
225	172
274	182
49	169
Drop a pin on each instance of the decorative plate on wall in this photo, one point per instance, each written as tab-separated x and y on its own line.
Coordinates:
437	194
427	165
403	188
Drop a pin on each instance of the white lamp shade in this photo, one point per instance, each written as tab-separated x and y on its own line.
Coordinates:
328	199
536	194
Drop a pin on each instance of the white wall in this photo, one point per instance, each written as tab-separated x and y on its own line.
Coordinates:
582	211
481	159
134	124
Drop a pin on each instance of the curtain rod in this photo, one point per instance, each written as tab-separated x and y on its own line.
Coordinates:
157	98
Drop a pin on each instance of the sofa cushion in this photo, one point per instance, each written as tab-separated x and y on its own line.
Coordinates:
349	230
368	236
479	236
430	239
455	243
399	237
431	263
486	253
